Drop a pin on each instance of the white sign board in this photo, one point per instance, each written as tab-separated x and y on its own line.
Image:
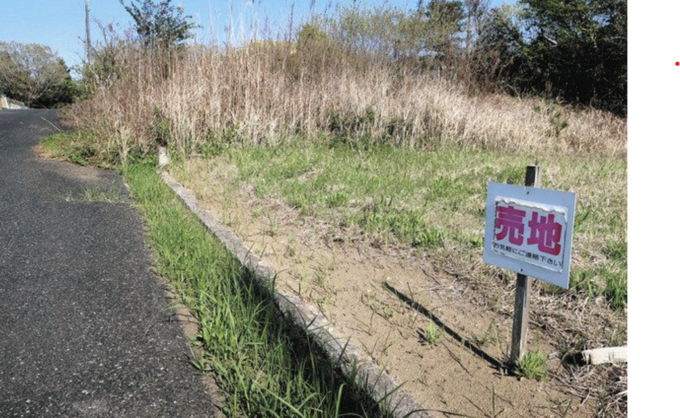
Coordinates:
529	231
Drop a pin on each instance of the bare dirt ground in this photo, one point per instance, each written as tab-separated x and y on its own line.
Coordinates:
385	300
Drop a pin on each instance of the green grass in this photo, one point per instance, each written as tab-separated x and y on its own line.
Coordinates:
93	194
432	334
263	366
435	200
84	148
532	366
75	147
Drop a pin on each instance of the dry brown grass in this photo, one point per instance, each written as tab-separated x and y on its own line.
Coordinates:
273	93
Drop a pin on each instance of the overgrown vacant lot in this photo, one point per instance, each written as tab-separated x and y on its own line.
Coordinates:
351	148
362	181
434	201
416	219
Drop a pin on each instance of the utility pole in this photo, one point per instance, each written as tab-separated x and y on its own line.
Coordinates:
87	29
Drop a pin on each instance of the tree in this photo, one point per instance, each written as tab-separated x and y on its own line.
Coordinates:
578	50
500	47
385	32
104	65
612	41
159	24
477	11
575	50
311	35
444	22
34	74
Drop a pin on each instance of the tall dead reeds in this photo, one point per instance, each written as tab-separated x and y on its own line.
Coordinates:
280	92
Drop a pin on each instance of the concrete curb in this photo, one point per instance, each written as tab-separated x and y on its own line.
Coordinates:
377	382
7	103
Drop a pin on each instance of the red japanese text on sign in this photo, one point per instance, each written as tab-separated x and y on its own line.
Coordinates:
510	221
530	234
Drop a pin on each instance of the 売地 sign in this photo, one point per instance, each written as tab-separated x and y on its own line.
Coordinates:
529	231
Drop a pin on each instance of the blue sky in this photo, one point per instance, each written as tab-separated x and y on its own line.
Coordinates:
60	24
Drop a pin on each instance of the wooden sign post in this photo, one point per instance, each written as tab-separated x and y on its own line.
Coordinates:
520	322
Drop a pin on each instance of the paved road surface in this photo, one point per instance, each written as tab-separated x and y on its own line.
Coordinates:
84	329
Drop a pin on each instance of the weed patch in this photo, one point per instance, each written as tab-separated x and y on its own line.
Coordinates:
263	366
532	366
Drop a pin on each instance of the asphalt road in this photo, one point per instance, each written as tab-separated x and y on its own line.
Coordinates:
85	329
